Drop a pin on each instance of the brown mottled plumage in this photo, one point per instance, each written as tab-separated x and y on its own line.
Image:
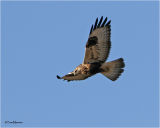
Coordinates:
96	52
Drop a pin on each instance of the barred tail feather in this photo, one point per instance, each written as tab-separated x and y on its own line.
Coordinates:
113	69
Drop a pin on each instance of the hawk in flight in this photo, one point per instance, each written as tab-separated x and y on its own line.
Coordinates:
96	52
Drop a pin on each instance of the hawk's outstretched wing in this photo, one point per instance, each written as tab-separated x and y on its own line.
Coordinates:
70	77
98	44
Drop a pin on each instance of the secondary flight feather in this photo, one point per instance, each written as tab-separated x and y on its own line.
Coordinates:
96	52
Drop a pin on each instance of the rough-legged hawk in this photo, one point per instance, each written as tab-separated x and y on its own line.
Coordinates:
96	53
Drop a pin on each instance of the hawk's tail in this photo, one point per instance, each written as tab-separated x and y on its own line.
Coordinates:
113	69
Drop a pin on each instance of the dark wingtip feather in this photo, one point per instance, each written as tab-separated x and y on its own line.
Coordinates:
58	77
108	22
95	25
104	22
91	29
99	24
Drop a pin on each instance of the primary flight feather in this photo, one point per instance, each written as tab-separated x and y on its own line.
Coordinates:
96	52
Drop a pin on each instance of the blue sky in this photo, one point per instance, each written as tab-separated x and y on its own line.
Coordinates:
43	39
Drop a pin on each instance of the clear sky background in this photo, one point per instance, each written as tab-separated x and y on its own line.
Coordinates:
43	39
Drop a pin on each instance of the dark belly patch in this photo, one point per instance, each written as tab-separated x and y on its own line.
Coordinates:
95	68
